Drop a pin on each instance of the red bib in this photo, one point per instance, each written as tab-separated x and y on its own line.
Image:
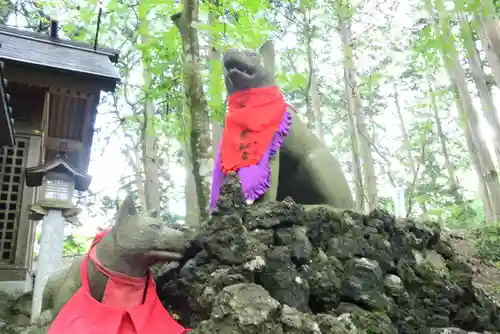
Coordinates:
254	115
82	314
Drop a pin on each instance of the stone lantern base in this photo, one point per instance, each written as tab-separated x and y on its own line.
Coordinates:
41	208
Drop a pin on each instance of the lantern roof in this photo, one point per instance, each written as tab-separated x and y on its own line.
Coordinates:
60	164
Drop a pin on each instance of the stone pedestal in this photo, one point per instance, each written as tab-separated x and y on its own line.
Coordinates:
54	217
50	258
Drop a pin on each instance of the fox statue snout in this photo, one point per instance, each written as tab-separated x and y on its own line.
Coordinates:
147	237
136	242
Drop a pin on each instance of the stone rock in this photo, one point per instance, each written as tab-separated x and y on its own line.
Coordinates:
22	304
283	281
274	214
276	268
6	304
242	308
296	322
281	267
334	325
450	330
15	315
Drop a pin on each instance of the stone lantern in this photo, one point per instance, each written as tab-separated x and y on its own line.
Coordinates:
57	180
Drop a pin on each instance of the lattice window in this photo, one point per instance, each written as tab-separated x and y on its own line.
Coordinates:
12	164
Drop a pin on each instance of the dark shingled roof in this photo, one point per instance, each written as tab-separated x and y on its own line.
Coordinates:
57	53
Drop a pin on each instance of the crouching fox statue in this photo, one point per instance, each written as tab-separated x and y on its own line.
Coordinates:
274	154
110	289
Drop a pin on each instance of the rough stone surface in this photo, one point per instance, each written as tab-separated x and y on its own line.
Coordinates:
286	268
15	312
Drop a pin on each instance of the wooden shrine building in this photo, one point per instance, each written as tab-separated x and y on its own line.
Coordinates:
54	86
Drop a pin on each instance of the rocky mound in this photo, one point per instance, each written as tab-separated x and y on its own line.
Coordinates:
285	268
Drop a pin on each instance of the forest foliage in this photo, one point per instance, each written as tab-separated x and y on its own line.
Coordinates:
403	93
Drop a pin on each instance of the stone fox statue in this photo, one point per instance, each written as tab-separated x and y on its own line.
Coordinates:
110	289
265	142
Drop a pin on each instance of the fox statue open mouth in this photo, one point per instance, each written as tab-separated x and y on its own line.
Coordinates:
234	67
274	154
244	73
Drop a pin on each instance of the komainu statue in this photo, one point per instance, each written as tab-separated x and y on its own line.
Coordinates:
110	289
274	154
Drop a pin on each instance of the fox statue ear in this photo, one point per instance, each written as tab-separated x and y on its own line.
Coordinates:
268	55
266	47
127	208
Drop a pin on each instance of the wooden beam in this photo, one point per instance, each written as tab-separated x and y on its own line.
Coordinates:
69	91
88	130
52	143
45	125
48	78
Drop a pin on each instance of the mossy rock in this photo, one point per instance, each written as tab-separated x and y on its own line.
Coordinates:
331	270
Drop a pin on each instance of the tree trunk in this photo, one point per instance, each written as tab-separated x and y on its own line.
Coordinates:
192	210
149	143
215	64
313	114
217	130
485	95
133	157
407	148
455	186
473	151
367	163
316	107
364	171
488	29
468	115
196	106
150	154
351	92
487	32
132	153
471	124
362	138
306	30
